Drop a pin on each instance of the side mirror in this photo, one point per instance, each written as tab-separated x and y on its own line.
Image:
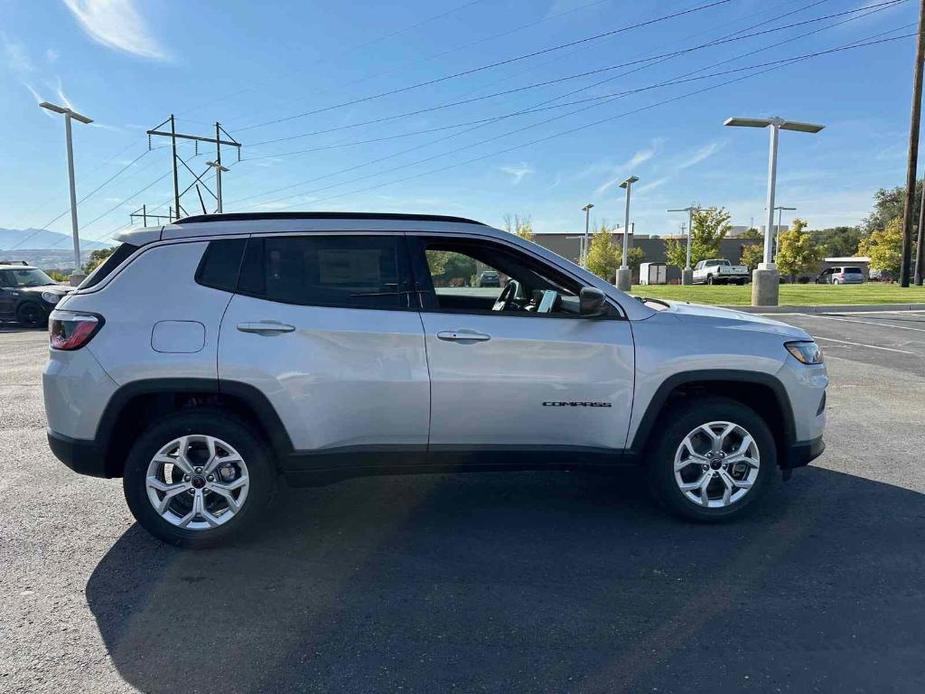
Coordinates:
591	302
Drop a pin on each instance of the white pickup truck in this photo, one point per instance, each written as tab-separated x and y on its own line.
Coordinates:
719	271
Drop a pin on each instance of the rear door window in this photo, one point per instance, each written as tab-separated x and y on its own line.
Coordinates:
221	263
345	271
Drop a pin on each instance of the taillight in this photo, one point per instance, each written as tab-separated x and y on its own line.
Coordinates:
69	330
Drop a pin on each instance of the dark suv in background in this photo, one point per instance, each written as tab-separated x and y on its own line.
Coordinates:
27	294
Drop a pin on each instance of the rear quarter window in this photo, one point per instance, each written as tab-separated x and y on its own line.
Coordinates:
221	264
108	266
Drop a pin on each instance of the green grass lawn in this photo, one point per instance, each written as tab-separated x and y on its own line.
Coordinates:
790	294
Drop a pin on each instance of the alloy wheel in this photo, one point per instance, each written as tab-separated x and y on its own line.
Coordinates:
197	482
716	464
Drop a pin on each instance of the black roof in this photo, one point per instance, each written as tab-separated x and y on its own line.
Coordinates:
256	216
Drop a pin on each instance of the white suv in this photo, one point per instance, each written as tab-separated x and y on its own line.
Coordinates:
204	358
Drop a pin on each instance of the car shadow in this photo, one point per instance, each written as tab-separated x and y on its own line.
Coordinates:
547	581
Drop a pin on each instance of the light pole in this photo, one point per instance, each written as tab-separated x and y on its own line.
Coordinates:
219	170
687	275
765	279
777	232
584	242
624	276
76	276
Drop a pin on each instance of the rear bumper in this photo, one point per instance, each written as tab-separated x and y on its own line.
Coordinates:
82	456
803	453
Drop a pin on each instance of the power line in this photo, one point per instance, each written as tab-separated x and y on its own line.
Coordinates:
607	68
782	63
508	61
604	99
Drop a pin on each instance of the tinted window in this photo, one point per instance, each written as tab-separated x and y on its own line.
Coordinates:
220	264
108	266
348	271
853	270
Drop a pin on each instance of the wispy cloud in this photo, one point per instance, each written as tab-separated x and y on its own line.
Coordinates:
652	185
517	171
16	56
117	24
700	155
51	55
621	171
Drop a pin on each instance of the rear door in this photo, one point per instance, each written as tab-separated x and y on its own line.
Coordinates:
535	376
322	324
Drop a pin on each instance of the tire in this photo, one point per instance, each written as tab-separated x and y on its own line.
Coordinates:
680	421
710	279
31	315
254	464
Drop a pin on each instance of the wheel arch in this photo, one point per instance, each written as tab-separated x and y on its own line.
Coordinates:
762	392
136	403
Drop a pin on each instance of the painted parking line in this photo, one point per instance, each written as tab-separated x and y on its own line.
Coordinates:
861	344
864	322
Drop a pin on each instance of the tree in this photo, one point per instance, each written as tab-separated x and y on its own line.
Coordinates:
711	224
798	253
97	257
751	233
838	241
752	254
676	252
885	246
603	253
889	204
519	226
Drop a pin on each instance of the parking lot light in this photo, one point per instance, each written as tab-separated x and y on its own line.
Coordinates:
766	279
624	277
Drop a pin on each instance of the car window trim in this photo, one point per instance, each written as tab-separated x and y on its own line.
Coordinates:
427	295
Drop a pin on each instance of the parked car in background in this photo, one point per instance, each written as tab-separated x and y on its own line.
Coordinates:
719	271
878	275
27	294
489	278
842	274
317	346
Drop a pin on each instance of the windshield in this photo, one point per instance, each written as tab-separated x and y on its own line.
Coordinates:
27	277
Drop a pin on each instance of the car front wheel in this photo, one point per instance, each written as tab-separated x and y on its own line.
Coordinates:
198	477
31	315
713	459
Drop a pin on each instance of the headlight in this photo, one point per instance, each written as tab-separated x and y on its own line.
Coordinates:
807	351
51	297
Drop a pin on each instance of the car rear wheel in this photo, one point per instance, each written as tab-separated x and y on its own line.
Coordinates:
198	477
713	460
31	315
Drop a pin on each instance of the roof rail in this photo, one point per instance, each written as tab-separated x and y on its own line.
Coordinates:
14	262
265	216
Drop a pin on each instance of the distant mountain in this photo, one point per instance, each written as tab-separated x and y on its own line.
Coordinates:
41	240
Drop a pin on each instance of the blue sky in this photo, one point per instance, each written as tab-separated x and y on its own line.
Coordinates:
128	64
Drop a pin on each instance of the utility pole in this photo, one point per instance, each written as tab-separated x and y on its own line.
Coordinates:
624	276
912	165
218	141
77	276
584	247
918	248
687	274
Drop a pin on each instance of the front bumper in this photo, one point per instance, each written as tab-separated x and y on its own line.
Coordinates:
803	453
82	456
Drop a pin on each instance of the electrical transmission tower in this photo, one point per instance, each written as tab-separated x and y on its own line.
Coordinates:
198	183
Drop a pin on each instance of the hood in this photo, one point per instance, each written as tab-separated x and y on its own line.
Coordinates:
732	319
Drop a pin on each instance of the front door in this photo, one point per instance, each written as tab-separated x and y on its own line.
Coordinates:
323	326
513	365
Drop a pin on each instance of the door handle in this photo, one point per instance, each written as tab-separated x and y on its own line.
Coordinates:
266	328
464	336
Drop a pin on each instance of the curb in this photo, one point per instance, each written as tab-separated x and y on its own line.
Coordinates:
829	308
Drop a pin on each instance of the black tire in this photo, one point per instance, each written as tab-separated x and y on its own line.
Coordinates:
710	279
213	422
31	315
676	424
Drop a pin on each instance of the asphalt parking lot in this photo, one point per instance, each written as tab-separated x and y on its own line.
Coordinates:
498	582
